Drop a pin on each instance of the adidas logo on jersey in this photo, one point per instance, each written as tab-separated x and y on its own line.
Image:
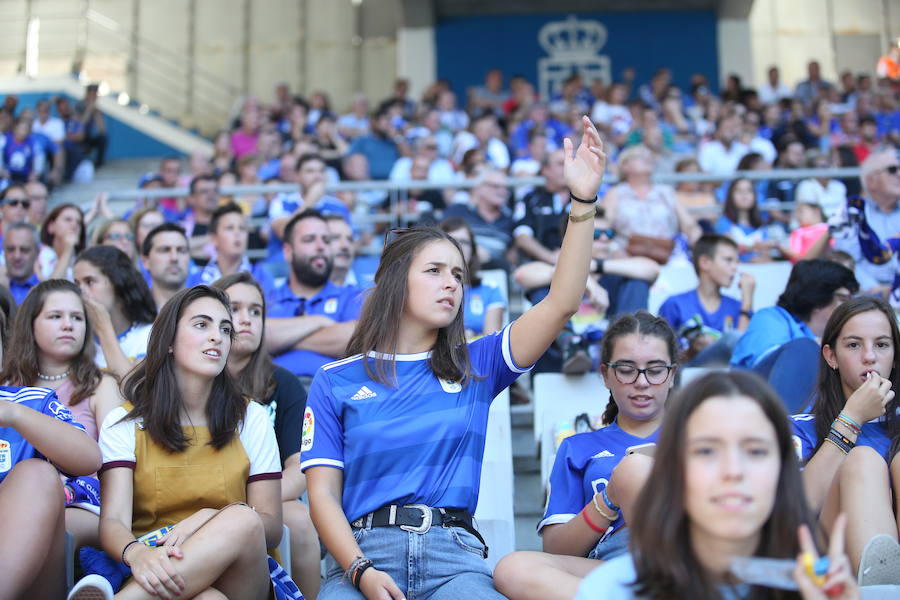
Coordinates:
363	393
604	454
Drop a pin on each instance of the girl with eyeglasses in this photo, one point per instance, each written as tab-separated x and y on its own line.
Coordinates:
119	306
594	480
393	436
849	440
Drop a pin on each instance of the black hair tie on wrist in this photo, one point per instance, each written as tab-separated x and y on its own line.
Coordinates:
577	199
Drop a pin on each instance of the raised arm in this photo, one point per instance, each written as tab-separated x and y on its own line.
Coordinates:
533	332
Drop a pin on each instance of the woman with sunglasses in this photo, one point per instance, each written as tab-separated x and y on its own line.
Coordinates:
116	233
393	436
593	484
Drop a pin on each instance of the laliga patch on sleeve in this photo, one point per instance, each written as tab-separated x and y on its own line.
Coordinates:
309	429
331	306
5	456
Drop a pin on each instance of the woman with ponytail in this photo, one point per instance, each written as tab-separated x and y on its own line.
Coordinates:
589	502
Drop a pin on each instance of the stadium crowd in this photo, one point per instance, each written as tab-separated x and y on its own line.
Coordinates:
226	354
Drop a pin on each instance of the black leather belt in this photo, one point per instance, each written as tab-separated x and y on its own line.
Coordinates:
419	518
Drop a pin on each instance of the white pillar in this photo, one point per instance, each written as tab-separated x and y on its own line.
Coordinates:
416	58
735	55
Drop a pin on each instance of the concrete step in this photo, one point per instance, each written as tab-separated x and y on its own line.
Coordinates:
529	507
522	415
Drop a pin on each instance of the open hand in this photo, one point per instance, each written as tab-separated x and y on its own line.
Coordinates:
154	571
378	585
585	168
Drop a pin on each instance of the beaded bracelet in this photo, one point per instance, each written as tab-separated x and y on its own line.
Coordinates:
853	425
609	517
355	570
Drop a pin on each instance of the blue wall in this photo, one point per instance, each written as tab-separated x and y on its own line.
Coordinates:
124	140
686	42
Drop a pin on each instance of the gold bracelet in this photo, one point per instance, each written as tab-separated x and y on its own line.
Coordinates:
580	218
608	517
833	443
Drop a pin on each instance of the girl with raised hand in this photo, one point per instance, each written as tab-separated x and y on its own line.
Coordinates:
283	395
51	347
849	440
118	304
725	485
593	484
36	428
394	435
188	452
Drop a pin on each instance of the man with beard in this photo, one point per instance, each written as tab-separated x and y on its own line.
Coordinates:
166	258
309	320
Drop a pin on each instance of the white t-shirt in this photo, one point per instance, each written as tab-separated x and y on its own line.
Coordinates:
831	198
117	440
132	341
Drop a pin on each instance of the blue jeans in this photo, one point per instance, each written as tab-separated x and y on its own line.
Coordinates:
446	563
613	546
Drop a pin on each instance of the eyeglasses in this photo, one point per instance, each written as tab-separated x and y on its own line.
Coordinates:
26	204
119	236
628	374
609	232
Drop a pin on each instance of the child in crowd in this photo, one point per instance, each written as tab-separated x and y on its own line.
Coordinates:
850	438
724	485
394	434
591	474
37	435
811	226
742	222
281	393
187	430
119	306
52	347
708	322
484	302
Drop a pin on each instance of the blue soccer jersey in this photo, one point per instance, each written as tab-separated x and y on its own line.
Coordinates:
479	300
873	435
583	466
421	442
14	448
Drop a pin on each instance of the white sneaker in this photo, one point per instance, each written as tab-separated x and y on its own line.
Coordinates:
880	562
92	587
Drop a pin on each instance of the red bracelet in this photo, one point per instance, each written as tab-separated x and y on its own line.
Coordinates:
590	523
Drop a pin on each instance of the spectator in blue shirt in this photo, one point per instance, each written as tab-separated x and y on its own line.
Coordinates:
309	320
380	146
709	323
780	342
20	248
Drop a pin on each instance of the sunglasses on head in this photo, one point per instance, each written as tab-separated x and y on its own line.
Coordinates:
609	232
16	202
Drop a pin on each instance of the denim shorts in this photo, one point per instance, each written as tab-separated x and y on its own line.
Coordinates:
446	563
613	546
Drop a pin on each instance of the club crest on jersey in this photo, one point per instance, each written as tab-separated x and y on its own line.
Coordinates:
5	456
451	387
331	306
476	305
309	429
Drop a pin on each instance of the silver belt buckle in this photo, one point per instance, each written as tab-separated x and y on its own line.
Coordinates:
426	519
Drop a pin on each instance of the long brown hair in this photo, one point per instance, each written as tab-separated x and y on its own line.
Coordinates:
153	389
641	323
829	393
21	362
664	558
47	237
730	209
256	379
379	322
